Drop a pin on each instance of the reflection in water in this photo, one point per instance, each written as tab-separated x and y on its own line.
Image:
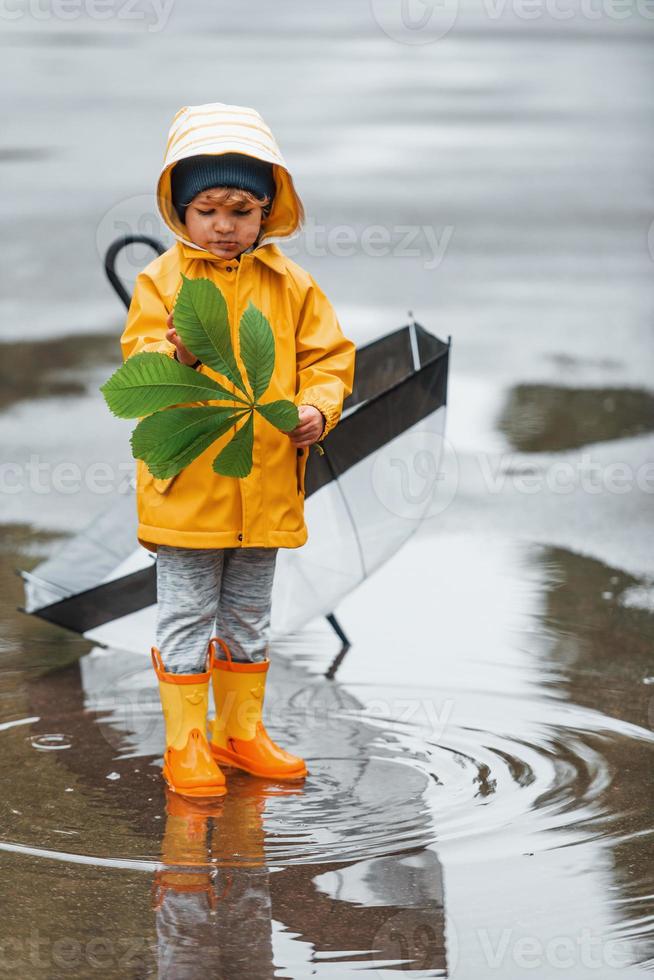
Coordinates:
603	660
543	418
214	920
56	367
220	919
20	154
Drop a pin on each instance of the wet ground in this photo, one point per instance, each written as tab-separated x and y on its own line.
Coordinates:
480	795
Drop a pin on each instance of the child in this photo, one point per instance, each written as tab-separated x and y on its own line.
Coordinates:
223	191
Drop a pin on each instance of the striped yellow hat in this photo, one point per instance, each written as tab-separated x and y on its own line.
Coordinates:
220	128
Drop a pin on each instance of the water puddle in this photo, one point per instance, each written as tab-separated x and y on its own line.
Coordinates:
477	784
391	804
546	418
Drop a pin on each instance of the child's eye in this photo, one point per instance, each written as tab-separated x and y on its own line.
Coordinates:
204	212
245	212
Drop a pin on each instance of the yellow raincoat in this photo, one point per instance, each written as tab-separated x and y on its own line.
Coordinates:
314	361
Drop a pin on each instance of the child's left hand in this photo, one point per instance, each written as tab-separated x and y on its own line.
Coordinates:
311	425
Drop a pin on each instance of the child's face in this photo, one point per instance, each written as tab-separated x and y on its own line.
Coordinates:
224	229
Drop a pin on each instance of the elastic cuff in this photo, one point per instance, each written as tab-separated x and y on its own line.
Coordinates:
330	415
197	363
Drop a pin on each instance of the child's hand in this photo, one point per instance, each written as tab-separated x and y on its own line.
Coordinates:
184	356
310	427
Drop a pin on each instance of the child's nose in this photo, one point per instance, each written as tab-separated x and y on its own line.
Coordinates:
222	225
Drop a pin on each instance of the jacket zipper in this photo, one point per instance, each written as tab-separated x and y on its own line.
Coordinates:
298	469
241	536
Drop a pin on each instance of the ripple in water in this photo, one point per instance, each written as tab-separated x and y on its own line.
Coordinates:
49	743
376	786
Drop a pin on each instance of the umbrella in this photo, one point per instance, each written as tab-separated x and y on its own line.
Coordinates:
359	507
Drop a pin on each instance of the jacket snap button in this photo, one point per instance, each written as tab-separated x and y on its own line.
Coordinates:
240	537
300	451
229	268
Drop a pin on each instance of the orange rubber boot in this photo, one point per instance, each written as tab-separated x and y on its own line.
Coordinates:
189	767
238	735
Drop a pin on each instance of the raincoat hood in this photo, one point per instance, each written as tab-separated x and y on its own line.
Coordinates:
220	128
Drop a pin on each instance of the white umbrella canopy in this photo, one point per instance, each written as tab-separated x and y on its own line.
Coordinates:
359	507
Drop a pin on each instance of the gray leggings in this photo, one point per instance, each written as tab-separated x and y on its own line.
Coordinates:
196	586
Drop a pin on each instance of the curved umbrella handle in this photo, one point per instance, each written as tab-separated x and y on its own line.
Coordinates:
112	254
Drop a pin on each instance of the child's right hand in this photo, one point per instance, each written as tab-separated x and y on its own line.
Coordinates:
184	356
